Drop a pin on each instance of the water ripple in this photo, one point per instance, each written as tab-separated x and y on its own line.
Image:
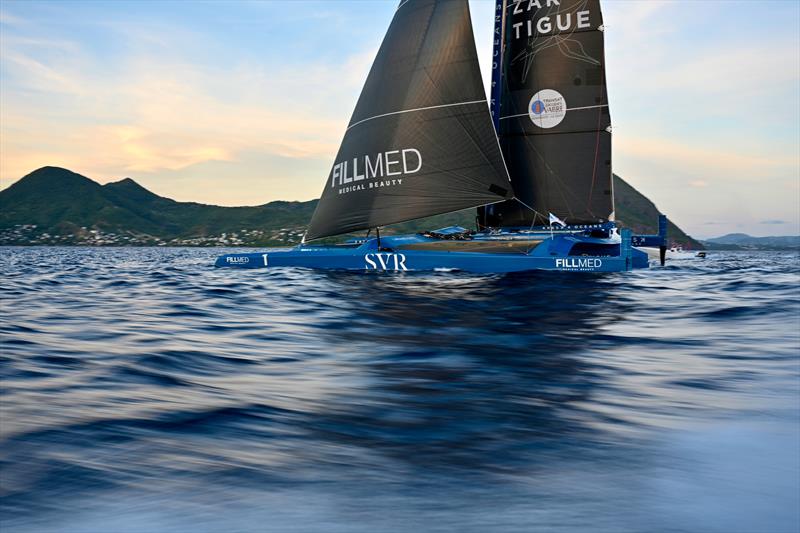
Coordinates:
145	390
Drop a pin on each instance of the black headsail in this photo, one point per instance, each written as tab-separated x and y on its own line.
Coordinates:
554	124
420	141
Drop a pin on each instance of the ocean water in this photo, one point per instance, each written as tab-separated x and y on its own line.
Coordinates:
143	390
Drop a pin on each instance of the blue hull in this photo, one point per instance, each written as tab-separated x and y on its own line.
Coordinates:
566	252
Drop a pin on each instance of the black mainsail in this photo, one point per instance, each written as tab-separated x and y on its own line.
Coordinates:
554	123
421	140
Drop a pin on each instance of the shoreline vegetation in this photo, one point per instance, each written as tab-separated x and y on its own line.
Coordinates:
55	206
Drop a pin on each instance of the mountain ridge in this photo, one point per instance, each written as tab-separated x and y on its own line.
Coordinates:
53	205
743	241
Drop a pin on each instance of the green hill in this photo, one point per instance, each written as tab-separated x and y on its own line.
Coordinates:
742	241
56	206
634	210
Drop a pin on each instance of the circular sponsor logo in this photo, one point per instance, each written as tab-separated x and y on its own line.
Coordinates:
547	108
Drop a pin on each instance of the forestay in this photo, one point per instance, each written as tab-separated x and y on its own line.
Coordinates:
420	141
554	122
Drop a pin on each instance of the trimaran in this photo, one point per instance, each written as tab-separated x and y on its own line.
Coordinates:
535	159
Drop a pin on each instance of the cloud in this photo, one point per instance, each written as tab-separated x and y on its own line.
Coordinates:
9	19
156	112
702	159
714	91
40	75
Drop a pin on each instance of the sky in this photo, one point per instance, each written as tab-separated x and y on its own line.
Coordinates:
242	103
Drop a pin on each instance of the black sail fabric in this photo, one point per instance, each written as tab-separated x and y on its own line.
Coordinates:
421	140
554	125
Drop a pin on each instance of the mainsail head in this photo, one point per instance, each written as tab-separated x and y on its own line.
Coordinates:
421	140
554	123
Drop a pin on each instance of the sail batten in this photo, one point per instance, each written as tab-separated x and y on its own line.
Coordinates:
568	109
412	110
420	141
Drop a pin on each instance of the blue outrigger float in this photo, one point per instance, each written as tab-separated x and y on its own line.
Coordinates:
423	140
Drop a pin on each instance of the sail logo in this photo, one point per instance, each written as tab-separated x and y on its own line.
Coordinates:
547	108
384	169
387	261
579	263
550	22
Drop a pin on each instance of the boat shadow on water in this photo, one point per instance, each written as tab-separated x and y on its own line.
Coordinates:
493	381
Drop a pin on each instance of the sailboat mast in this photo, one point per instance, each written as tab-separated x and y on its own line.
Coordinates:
497	62
496	89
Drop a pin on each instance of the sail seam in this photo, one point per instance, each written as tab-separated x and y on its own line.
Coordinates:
412	110
568	109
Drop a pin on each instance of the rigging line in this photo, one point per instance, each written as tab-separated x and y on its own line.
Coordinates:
417	53
474	142
568	109
467	133
553	181
533	223
496	130
596	154
463	177
473	180
551	173
594	165
416	109
529	207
